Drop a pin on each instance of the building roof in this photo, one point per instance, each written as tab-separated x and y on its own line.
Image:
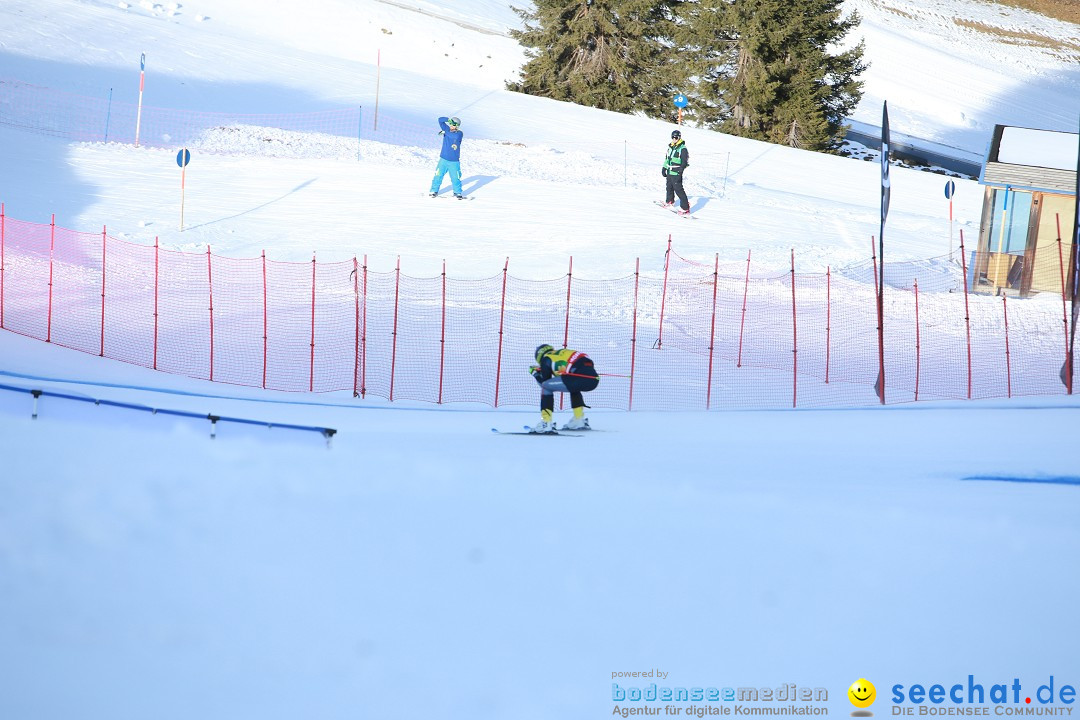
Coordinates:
1042	160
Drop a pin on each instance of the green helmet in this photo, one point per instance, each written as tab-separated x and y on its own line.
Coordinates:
542	350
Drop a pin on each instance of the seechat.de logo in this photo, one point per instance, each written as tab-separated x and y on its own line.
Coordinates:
862	695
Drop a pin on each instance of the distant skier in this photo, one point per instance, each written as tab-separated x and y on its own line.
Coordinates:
567	371
449	157
675	164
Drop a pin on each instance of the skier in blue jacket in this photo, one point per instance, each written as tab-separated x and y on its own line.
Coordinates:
449	157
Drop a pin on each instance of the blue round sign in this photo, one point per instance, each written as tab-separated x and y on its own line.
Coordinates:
681	101
950	189
142	61
183	158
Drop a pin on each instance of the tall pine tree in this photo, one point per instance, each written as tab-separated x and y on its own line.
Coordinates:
610	54
787	83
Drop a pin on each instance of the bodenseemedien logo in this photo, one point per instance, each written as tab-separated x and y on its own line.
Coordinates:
862	694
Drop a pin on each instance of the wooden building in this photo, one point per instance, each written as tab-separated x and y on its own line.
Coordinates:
1029	203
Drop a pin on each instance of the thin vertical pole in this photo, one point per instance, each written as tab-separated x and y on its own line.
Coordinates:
3	233
742	323
442	333
156	267
794	339
108	115
210	279
967	312
378	77
502	315
356	329
1008	361
311	372
393	350
266	332
101	352
712	331
663	296
363	340
52	246
633	335
210	283
142	83
1065	312
918	342
828	319
879	282
566	328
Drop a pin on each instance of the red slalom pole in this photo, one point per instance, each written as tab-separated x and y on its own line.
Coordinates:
101	352
712	331
1008	362
967	312
210	280
633	335
828	319
52	245
442	333
742	323
794	339
502	317
356	328
265	332
311	375
918	342
393	351
663	296
156	266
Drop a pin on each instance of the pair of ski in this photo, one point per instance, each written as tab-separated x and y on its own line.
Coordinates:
675	209
555	433
463	197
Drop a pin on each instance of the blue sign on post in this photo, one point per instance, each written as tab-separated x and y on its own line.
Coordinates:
681	101
183	158
950	189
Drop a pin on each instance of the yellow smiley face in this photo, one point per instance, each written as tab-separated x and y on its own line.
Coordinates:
862	693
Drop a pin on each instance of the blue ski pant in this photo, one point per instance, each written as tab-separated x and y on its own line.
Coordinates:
445	166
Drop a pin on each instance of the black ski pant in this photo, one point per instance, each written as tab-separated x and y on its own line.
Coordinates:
674	187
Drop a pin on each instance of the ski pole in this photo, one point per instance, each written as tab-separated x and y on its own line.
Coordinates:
589	376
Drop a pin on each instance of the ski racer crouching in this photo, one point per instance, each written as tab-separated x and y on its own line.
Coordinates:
567	371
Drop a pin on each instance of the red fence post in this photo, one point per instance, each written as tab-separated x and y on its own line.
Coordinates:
1008	362
393	349
502	315
1065	312
101	353
2	236
265	324
918	342
794	339
712	331
210	282
156	265
363	341
633	335
879	310
311	371
52	244
663	295
742	323
442	333
967	310
566	328
356	329
828	319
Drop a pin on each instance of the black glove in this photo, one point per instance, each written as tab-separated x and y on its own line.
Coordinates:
663	172
535	372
